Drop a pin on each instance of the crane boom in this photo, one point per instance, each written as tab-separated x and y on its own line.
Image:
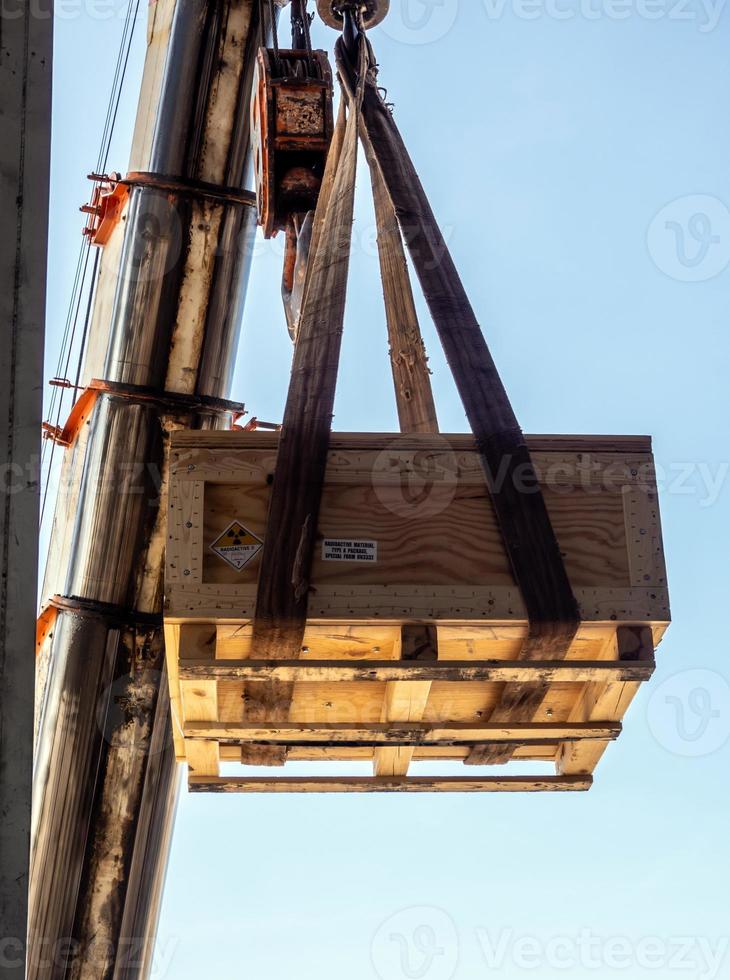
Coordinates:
166	318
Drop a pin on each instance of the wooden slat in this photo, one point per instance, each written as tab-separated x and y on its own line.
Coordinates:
212	439
413	784
413	733
363	754
172	645
199	700
203	757
605	700
464	604
404	700
521	702
531	752
200	696
330	671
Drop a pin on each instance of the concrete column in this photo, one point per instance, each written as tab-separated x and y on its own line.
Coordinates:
25	112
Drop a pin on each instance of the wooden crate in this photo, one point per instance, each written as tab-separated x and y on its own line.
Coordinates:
415	623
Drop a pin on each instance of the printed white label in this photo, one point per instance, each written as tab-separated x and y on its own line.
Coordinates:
349	550
237	545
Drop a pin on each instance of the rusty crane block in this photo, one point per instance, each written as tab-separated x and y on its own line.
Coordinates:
292	126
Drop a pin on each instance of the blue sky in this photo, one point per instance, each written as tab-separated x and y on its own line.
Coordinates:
578	155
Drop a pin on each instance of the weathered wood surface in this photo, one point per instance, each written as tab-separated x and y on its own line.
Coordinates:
339	715
325	755
238	439
401	733
521	702
408	359
337	671
406	700
412	784
605	700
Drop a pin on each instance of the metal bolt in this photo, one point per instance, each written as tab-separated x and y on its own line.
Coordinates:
188	524
186	572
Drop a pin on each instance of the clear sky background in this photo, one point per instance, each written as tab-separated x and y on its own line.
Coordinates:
578	154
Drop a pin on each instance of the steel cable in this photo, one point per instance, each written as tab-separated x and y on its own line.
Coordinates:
81	284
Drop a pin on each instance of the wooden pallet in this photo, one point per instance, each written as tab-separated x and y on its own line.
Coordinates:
410	648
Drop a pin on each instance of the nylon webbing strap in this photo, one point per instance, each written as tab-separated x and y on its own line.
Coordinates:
522	517
281	604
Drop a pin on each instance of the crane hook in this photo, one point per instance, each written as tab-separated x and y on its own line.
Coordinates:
333	12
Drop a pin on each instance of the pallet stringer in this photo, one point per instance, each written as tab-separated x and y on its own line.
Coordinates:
605	699
380	784
199	700
454	671
401	734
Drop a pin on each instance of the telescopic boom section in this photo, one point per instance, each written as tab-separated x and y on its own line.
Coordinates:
167	315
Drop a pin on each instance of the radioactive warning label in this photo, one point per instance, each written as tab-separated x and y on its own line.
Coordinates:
333	550
237	545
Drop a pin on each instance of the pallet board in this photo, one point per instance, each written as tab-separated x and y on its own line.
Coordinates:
415	623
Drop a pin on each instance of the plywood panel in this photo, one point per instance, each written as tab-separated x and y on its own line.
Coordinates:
461	542
440	563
